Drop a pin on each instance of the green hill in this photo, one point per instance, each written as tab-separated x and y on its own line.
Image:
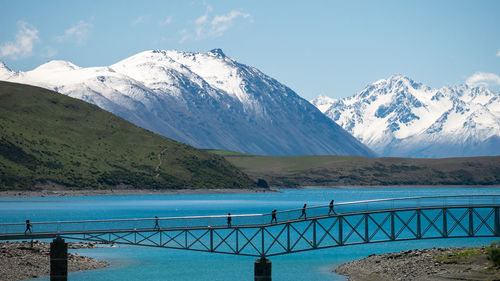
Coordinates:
289	171
49	137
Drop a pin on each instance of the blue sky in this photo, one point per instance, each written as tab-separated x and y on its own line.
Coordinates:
334	48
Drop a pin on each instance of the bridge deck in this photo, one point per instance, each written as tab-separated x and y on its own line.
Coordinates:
254	235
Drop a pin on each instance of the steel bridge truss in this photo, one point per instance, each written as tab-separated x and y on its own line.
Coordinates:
315	232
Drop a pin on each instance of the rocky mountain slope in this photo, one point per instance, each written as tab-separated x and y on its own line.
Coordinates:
206	100
400	117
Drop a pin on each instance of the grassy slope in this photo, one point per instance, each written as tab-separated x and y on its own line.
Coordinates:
353	170
46	136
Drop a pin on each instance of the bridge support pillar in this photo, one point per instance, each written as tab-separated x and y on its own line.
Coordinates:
497	222
58	260
262	269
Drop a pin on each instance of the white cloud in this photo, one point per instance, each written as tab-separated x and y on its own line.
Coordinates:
78	32
49	52
138	20
483	79
26	38
185	35
165	22
223	22
208	26
498	54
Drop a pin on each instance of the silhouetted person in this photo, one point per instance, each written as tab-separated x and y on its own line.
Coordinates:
303	212
157	223
273	216
229	219
28	226
331	208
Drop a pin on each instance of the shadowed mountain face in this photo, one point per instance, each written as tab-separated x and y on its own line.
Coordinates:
48	137
399	117
207	100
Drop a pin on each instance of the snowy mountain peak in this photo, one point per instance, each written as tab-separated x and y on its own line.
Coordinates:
4	67
398	77
400	117
323	103
392	78
210	69
56	66
203	99
5	72
217	52
397	81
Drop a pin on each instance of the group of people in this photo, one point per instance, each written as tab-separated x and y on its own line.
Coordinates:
229	218
275	220
303	214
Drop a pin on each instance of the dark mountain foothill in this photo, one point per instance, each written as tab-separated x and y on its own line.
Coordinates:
329	170
50	138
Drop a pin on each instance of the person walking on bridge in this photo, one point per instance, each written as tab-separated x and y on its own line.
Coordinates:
157	223
331	208
303	212
273	216
28	227
229	219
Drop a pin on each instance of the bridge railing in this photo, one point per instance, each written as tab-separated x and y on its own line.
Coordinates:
249	220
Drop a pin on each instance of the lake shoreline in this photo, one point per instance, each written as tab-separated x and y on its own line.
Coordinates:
58	191
23	260
435	264
61	192
392	186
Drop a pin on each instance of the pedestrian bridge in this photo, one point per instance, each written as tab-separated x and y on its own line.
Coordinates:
352	223
358	222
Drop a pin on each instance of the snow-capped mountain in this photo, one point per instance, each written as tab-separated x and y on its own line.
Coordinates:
207	100
323	103
400	117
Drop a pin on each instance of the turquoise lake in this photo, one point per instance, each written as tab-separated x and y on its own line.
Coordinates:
145	263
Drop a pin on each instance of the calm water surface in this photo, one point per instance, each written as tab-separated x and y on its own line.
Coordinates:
144	263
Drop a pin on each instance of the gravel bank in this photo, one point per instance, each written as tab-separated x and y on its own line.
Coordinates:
436	264
19	261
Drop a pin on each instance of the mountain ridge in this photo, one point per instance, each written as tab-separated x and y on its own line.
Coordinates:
403	118
207	100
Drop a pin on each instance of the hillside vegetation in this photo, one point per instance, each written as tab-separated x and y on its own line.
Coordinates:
289	171
49	137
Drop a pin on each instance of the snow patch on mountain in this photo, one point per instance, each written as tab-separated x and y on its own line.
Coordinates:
323	103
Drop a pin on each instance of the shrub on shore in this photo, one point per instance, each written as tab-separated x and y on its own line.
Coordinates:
494	253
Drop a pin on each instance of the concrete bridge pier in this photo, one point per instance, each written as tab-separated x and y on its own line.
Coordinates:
262	269
58	260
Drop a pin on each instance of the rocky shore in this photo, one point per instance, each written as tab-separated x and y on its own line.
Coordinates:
436	264
19	261
60	192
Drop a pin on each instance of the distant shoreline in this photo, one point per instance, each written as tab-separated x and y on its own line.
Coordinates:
97	192
392	186
61	192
